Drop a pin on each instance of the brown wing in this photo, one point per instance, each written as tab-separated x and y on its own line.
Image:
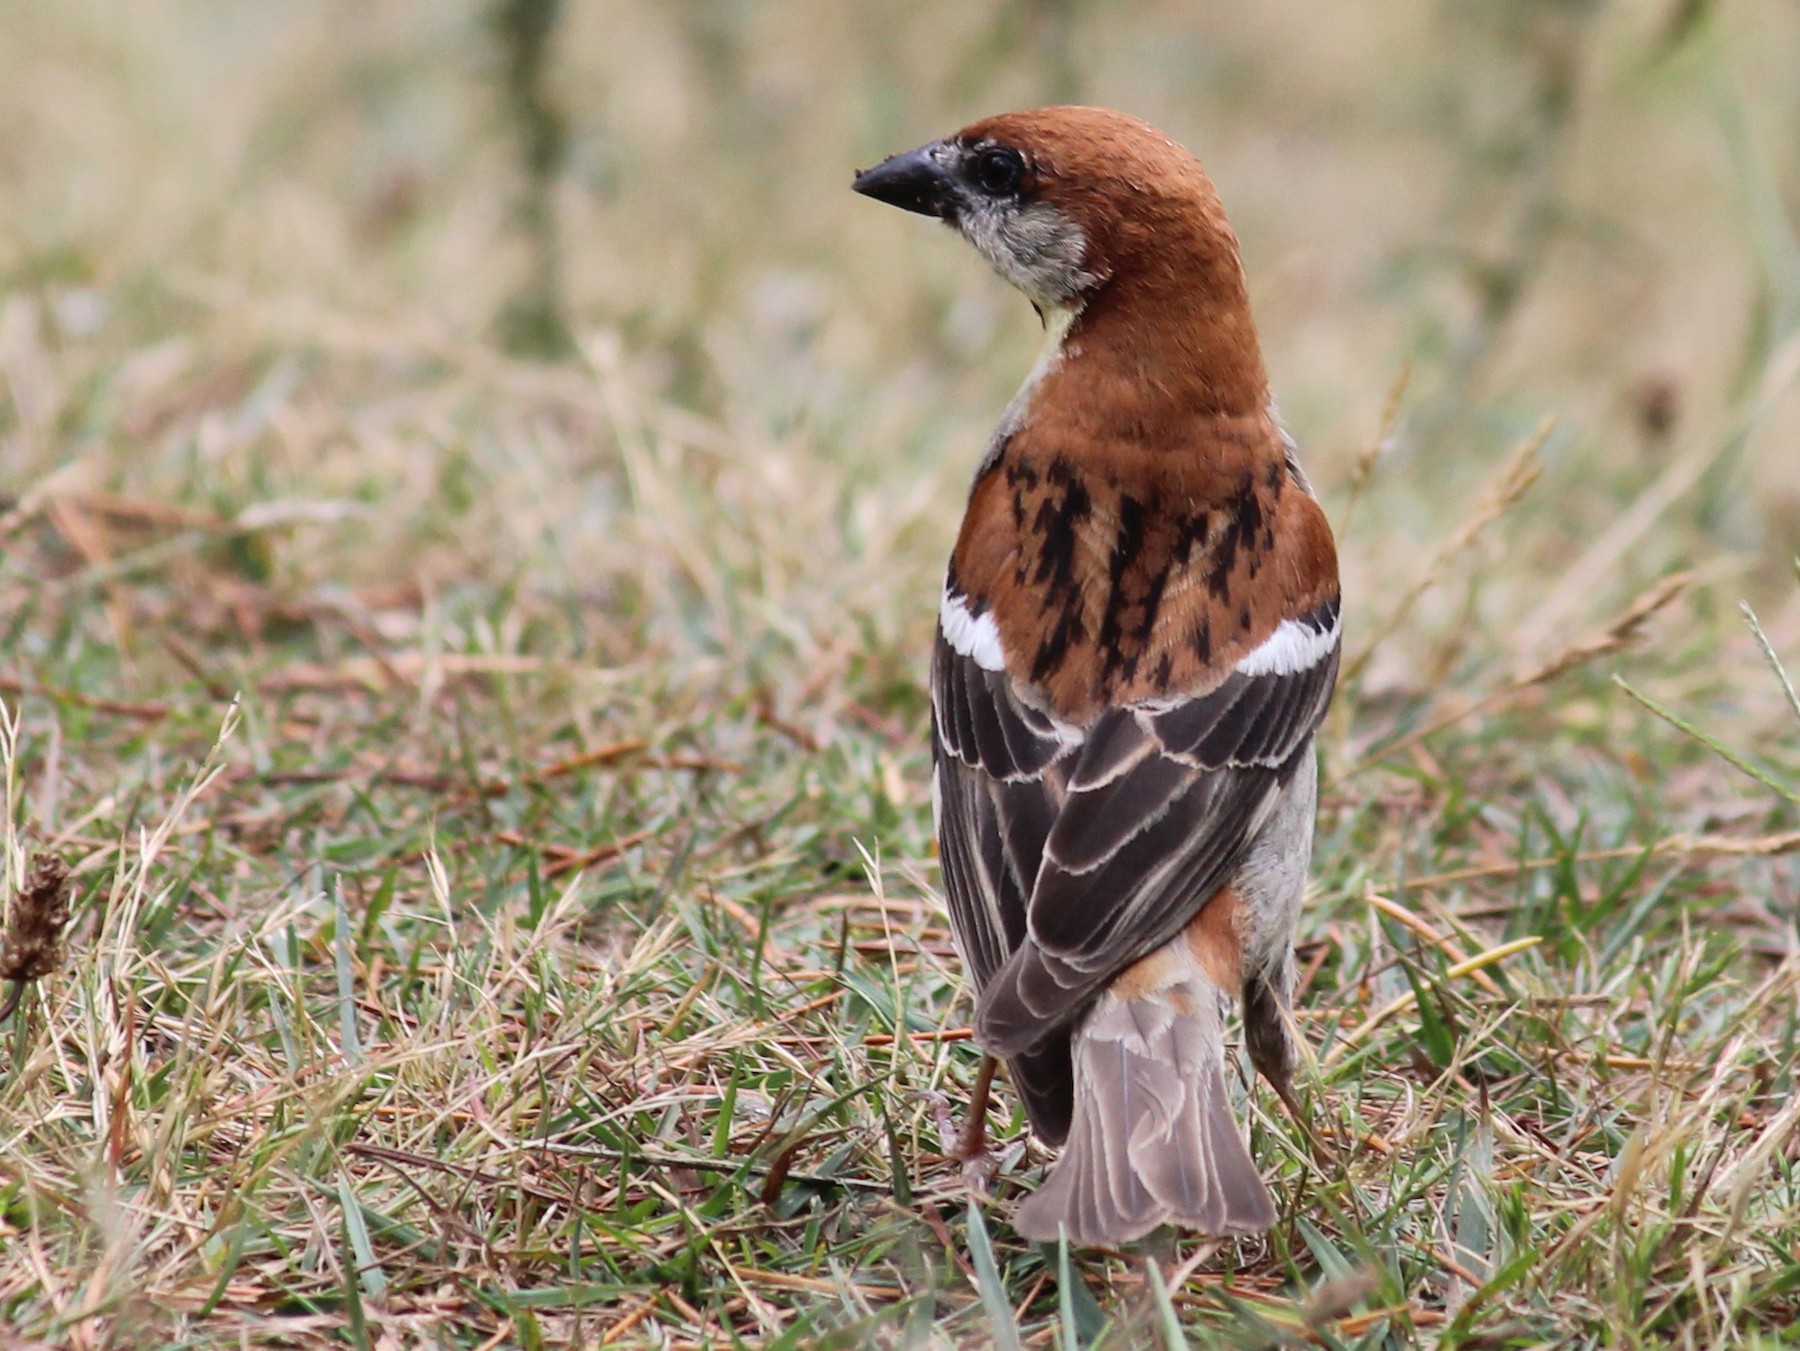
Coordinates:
999	766
1070	853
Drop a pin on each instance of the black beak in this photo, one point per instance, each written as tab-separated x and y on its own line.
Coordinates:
913	182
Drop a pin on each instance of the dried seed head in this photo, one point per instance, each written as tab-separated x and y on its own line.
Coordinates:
31	946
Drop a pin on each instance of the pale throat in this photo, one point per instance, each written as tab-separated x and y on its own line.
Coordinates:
1058	320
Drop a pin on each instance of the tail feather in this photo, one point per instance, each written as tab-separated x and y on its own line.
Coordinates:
1153	1140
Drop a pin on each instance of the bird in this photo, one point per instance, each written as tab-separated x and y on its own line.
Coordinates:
1138	638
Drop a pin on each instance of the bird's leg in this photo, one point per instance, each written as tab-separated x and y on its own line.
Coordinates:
972	1147
1270	1040
973	1143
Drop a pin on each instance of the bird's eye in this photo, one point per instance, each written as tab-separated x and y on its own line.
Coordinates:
999	170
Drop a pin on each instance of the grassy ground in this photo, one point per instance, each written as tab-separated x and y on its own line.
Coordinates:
467	640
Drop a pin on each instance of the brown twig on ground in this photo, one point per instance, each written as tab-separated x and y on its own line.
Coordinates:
148	712
561	859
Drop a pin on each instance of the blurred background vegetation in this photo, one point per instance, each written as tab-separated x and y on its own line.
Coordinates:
1536	206
512	405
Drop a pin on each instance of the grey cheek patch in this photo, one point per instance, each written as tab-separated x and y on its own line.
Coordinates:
1035	247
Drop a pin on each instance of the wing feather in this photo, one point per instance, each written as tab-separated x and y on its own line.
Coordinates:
1069	853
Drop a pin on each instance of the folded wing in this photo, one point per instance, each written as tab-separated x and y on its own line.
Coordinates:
1069	853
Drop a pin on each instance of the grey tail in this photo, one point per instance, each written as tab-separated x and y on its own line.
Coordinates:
1153	1140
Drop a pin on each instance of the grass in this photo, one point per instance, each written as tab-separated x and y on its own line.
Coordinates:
504	907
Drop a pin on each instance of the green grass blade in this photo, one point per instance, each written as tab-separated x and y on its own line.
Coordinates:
989	1285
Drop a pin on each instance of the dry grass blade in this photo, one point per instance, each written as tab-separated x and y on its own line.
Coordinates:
1468	966
1670	846
1731	846
1508	486
1443	942
1617	636
1364	468
1680	477
1770	656
1620	634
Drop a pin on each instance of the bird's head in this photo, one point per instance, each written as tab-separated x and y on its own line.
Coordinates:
1116	235
1063	200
